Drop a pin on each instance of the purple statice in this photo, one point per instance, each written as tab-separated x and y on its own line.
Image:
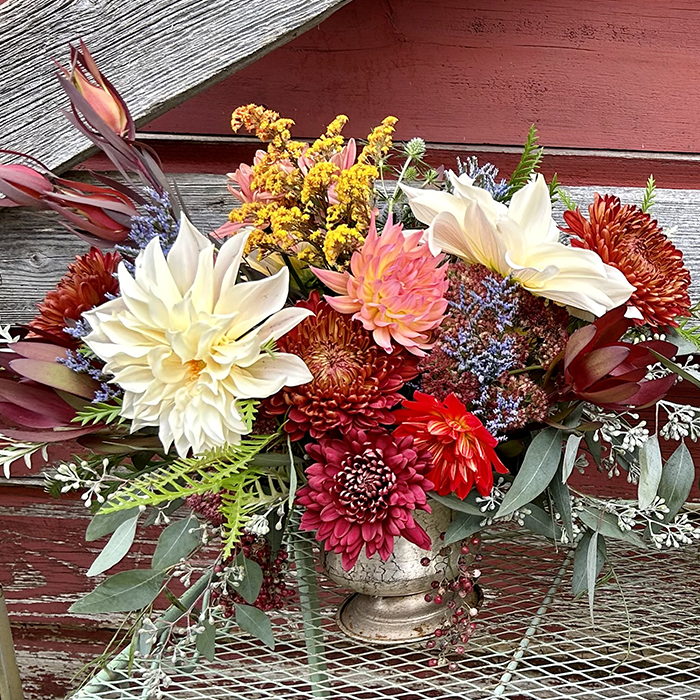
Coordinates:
156	219
79	330
484	176
494	335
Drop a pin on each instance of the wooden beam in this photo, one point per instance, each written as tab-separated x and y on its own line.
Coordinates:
158	53
35	249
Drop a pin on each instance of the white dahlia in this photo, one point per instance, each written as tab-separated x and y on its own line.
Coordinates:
186	343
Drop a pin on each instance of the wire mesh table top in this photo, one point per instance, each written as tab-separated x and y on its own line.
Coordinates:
533	641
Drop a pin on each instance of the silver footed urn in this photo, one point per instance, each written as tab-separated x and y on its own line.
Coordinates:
394	600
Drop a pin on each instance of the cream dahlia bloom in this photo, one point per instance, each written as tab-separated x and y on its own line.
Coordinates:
520	240
187	343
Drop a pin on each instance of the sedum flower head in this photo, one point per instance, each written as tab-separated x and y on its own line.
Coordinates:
187	343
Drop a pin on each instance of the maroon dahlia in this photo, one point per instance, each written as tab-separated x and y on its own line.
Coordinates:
355	383
362	492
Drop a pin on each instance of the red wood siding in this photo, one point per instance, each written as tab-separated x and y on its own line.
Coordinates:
595	74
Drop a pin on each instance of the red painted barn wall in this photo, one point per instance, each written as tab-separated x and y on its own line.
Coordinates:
594	74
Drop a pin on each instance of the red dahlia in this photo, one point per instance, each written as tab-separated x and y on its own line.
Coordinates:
630	240
86	284
462	449
362	492
355	383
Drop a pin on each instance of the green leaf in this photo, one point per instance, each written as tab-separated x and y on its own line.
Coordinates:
126	591
457	504
292	475
116	548
693	378
206	641
650	468
594	447
562	500
256	623
685	340
539	466
176	542
592	570
249	587
606	524
102	412
573	443
579	578
539	522
464	525
106	523
677	480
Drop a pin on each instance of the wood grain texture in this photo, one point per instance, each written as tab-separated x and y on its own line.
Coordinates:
157	52
595	74
35	249
209	154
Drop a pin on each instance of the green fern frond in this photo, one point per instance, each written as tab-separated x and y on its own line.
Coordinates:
554	188
649	194
103	412
189	475
248	410
245	494
566	199
529	162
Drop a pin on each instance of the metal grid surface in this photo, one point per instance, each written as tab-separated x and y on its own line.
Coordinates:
533	641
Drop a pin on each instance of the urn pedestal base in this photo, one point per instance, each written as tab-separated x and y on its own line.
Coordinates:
389	620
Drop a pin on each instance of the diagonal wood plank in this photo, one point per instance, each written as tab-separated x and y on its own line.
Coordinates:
157	53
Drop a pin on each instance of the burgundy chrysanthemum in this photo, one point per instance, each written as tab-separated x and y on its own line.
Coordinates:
630	240
88	282
362	492
355	384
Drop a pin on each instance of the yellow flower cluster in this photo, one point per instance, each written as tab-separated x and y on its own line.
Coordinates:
305	204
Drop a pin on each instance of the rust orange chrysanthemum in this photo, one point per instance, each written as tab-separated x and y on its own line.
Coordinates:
629	239
89	282
463	450
355	382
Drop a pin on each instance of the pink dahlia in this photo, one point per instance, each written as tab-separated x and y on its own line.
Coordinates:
362	492
396	288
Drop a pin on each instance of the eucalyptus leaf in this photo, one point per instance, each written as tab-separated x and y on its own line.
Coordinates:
677	480
206	641
116	548
606	524
579	578
688	375
464	525
537	470
592	570
176	542
256	623
685	346
249	587
292	475
461	506
106	523
573	443
126	591
539	521
594	447
559	492
650	468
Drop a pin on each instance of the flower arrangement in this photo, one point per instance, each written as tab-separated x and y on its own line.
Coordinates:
365	338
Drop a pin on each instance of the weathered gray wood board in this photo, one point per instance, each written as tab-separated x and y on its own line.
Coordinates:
35	249
156	52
